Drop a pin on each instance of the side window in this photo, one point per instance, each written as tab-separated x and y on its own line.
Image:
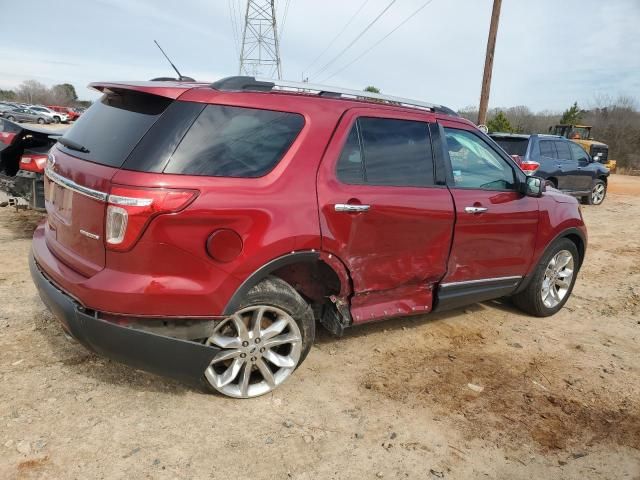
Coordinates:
578	152
235	142
547	149
475	164
389	152
563	150
350	166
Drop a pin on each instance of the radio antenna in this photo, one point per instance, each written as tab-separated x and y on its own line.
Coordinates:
180	77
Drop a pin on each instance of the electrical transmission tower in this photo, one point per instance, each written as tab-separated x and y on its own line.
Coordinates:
260	53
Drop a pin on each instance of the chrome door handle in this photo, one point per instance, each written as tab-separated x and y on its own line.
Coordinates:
475	209
347	207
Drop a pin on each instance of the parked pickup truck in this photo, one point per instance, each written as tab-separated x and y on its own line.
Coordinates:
230	218
23	156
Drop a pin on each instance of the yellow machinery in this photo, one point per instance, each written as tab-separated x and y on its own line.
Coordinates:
581	134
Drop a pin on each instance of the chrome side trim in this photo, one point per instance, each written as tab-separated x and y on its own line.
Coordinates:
480	280
71	185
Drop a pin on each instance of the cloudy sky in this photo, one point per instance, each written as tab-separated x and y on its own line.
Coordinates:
549	53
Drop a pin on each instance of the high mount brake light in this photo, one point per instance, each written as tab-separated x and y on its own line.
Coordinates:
130	209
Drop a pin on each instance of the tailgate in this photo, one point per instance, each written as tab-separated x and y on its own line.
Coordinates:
75	194
79	172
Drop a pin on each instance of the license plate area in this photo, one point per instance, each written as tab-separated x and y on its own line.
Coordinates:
60	200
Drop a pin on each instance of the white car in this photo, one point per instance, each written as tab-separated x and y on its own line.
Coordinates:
57	117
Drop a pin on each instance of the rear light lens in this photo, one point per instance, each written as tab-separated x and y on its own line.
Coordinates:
529	166
130	210
33	163
6	137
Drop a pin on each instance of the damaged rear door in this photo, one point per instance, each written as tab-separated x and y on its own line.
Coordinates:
384	212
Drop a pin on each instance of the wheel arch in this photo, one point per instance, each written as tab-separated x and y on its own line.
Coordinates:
573	234
313	274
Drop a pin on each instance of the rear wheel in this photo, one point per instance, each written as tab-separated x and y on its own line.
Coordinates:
262	343
41	121
598	192
552	281
11	118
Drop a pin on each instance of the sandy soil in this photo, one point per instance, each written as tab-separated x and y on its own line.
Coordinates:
484	392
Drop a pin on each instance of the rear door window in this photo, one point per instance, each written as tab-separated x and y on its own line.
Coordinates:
235	142
112	127
385	151
547	149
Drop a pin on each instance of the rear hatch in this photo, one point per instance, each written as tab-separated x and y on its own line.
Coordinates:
82	164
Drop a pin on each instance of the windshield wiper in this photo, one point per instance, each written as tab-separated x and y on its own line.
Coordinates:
73	145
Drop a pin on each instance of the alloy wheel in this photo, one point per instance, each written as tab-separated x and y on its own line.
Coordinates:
557	279
597	194
260	348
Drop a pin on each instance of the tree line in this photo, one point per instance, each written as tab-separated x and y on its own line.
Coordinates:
36	93
615	121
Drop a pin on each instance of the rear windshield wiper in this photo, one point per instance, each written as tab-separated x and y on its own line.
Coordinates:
73	145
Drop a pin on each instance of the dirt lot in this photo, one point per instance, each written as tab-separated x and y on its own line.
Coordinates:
484	392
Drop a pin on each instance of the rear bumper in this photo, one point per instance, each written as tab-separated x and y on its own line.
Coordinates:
159	354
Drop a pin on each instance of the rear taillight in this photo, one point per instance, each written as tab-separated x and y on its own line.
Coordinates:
6	137
529	166
130	209
33	163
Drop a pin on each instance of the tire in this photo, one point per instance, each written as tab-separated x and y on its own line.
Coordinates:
40	121
598	192
56	119
238	370
11	118
532	299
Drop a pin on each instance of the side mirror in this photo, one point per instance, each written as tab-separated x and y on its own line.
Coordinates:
533	187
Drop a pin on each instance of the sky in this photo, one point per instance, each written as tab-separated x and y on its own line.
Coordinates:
549	53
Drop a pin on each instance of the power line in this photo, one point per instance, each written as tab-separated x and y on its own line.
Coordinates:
235	28
284	19
337	36
355	39
378	42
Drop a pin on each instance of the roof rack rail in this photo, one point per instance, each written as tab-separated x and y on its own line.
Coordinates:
245	83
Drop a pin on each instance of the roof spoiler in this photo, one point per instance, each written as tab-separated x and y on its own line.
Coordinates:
252	84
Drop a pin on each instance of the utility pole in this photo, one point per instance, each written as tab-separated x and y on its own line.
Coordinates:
260	54
488	63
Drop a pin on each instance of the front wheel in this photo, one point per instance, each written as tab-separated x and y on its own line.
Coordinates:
598	192
56	119
262	343
552	282
11	118
41	121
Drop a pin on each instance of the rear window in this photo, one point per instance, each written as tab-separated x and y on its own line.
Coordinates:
112	126
513	146
235	142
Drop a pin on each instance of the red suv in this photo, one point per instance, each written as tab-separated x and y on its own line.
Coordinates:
200	231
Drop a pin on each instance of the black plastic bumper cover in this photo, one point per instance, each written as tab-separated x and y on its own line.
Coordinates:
158	354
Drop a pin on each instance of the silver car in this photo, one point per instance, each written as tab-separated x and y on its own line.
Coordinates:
26	115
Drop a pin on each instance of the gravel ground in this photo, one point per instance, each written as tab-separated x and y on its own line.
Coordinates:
483	392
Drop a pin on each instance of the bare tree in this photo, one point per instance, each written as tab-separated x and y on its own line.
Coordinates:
32	91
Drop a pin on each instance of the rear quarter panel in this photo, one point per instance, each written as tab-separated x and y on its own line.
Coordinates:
274	215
